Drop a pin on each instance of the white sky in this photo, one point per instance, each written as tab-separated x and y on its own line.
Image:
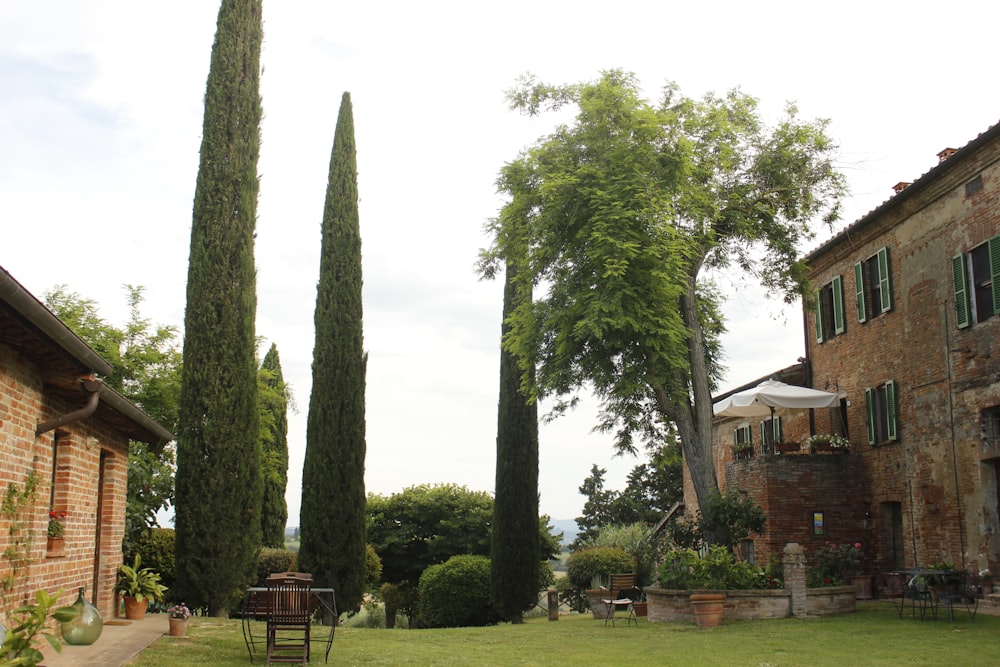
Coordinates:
100	125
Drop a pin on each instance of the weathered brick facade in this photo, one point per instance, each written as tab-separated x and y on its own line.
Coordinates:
82	466
925	489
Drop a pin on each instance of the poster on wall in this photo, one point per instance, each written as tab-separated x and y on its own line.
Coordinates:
818	526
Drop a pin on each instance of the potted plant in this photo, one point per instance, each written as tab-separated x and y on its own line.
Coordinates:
139	586
985	582
742	450
56	543
825	442
179	615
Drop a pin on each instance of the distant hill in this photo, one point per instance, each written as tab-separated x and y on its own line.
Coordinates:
567	527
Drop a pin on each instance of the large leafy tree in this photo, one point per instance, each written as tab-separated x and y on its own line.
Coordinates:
218	446
274	399
332	516
147	370
625	209
514	558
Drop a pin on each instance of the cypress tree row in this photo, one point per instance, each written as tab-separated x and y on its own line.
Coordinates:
218	484
332	518
514	547
274	448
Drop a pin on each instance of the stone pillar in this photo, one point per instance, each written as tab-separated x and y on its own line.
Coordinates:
794	561
553	605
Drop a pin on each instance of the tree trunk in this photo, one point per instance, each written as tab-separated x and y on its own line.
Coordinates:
694	420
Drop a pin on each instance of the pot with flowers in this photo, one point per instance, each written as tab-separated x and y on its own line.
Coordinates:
178	616
742	451
985	582
825	442
55	545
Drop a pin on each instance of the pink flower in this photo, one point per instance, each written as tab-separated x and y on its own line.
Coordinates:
857	545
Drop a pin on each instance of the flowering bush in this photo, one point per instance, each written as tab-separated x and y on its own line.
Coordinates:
834	441
179	611
834	565
55	525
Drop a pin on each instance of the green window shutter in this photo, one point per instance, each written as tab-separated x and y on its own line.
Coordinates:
819	317
870	412
776	423
839	326
994	252
748	433
962	310
736	436
763	432
891	412
883	278
859	290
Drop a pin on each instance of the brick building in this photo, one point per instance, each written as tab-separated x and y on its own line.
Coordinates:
62	425
905	327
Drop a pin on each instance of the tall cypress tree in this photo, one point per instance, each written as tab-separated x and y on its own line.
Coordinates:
218	445
514	547
332	517
274	447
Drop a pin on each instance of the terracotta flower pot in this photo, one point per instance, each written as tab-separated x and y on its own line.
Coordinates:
708	609
178	627
55	547
135	609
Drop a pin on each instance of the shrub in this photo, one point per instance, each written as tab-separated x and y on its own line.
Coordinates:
155	549
587	566
274	560
718	569
833	564
456	593
635	540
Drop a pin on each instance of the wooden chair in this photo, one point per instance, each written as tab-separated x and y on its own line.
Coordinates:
621	592
289	618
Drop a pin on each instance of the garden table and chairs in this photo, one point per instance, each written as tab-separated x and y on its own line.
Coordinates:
926	590
284	608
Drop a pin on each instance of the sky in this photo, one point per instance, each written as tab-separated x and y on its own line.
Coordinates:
101	106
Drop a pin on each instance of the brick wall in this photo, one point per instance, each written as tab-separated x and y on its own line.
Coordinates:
77	463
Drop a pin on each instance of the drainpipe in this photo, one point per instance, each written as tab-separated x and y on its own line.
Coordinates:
89	385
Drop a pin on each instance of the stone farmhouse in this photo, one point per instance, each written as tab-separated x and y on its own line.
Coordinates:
60	424
904	326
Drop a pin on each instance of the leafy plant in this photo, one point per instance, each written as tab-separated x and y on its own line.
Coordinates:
55	528
18	649
835	564
141	583
717	569
584	565
15	508
635	539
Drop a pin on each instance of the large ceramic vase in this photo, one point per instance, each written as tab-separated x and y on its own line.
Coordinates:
178	627
86	627
135	609
708	609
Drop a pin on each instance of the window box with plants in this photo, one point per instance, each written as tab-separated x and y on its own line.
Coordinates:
742	451
825	442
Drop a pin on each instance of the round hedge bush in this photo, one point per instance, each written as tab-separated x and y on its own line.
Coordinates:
456	593
585	564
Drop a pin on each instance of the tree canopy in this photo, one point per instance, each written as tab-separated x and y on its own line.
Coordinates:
619	215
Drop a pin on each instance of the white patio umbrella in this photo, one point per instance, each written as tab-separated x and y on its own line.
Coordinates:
760	401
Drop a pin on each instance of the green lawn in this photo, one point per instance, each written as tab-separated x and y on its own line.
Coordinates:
872	636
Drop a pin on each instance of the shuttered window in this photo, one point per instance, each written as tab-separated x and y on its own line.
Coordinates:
882	411
976	278
872	286
830	310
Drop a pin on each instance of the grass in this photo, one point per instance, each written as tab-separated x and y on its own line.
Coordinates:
872	636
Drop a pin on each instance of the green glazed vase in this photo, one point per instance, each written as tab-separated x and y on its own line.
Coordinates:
86	627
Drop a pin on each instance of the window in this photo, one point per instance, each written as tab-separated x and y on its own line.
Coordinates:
830	310
742	435
977	283
990	420
872	287
881	405
770	433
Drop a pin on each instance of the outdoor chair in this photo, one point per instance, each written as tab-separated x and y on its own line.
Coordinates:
958	592
289	617
621	592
